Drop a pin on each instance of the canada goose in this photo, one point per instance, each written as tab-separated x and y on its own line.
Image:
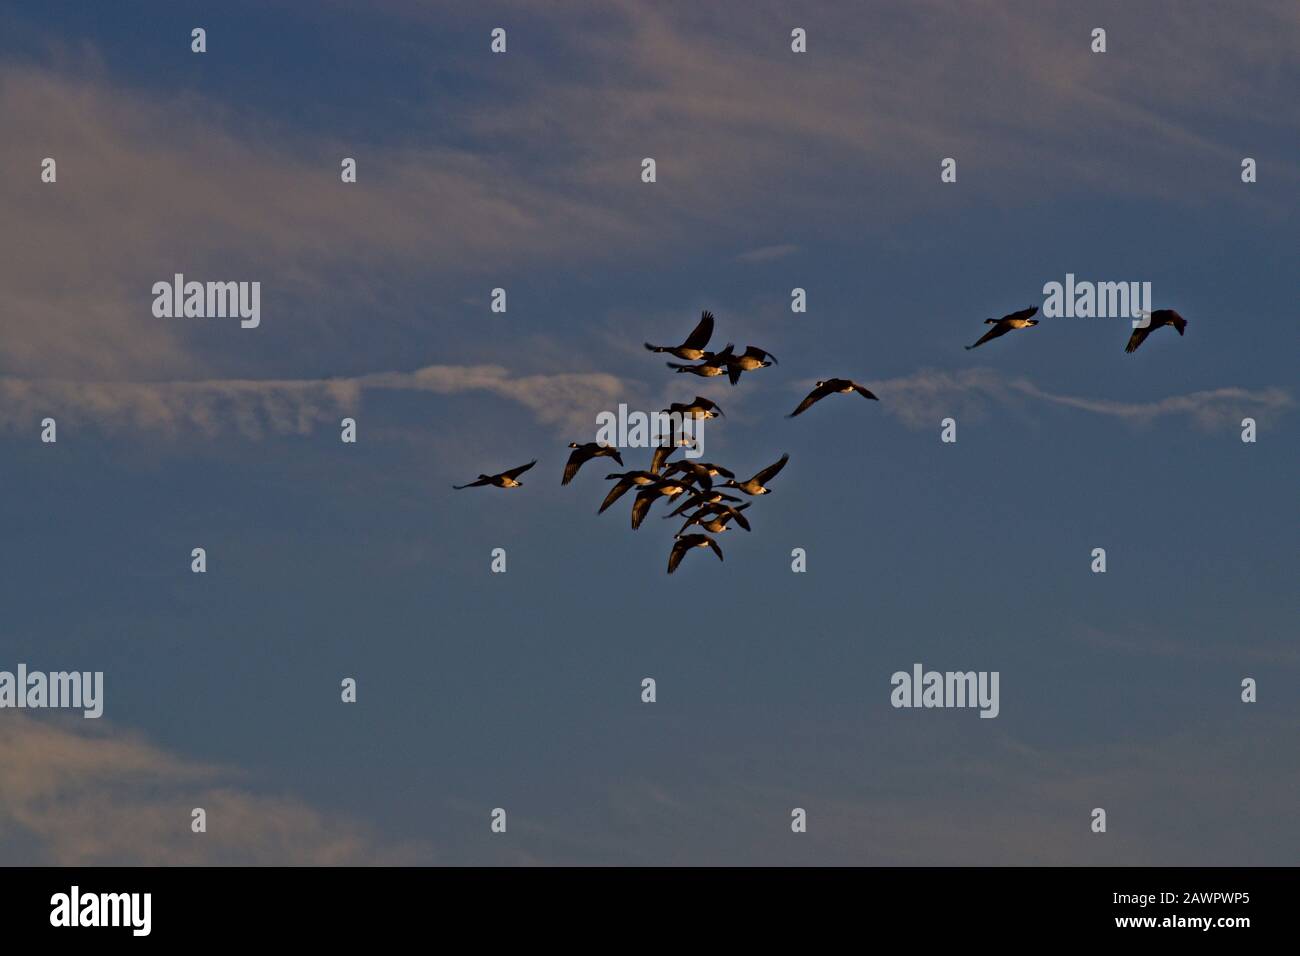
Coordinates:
698	408
685	542
747	361
693	348
1159	317
625	481
755	485
662	451
507	479
700	498
667	488
709	469
829	387
1016	320
703	471
715	517
584	453
713	363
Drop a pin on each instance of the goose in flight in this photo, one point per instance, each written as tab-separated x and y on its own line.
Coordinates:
829	387
1016	320
747	361
685	542
693	348
715	517
756	485
699	408
582	454
703	471
710	497
626	480
664	488
663	451
711	365
1159	317
507	479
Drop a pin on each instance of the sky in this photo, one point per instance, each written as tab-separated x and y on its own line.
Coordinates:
522	690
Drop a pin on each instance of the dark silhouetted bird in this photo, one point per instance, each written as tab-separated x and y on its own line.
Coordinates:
626	480
714	363
1016	320
698	408
715	517
507	479
685	542
584	453
752	358
665	488
1160	317
710	497
829	387
703	470
666	448
757	484
693	348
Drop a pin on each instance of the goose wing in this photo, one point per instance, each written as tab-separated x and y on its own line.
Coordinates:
740	519
640	507
702	333
618	491
1022	314
675	556
1138	337
660	456
474	484
999	328
772	470
864	392
813	397
576	460
707	404
690	520
516	472
692	501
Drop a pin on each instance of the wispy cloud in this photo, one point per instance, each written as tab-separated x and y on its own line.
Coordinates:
568	401
145	187
768	253
76	796
147	178
254	409
921	399
258	409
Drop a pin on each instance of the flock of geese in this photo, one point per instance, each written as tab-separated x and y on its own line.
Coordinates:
1024	320
704	503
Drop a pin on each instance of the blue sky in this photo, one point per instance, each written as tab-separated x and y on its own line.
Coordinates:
521	690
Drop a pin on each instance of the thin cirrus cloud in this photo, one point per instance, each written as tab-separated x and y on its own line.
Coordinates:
733	113
921	399
260	409
738	123
144	190
567	402
71	796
